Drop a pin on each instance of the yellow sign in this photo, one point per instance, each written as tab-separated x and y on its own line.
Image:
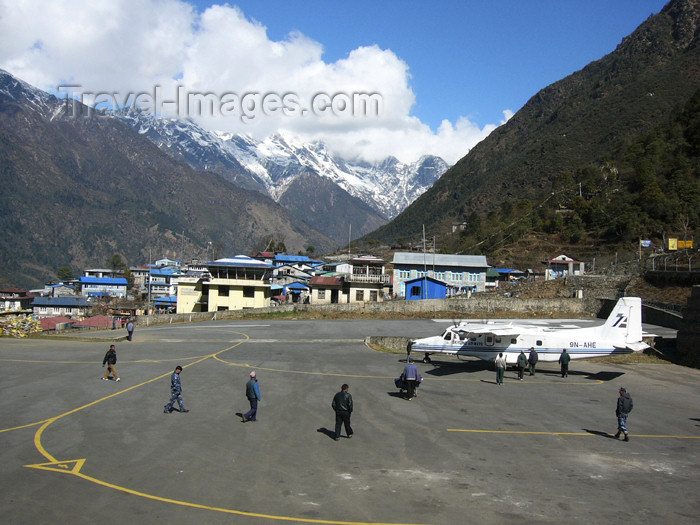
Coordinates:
685	244
672	244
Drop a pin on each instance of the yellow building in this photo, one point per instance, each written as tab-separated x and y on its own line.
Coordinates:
228	284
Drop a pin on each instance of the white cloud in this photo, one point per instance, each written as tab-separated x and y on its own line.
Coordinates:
132	45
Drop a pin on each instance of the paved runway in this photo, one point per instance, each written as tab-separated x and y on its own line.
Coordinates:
76	449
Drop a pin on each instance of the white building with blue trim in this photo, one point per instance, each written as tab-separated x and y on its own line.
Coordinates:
462	274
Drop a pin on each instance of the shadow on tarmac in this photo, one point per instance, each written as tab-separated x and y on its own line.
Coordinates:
445	368
599	433
329	433
598	376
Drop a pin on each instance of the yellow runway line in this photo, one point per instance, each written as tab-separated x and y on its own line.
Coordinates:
543	433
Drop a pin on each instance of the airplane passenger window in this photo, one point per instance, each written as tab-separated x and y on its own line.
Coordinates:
513	341
539	343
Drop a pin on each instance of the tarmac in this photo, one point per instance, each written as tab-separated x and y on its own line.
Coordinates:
76	449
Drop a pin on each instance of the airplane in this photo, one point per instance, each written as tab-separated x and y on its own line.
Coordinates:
621	334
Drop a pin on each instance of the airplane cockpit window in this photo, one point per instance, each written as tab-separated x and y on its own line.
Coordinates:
448	336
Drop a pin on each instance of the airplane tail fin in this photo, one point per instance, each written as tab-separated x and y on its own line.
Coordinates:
625	321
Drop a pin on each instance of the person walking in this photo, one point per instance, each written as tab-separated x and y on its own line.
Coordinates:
532	360
130	329
624	407
175	392
252	392
410	377
500	368
342	404
522	363
564	359
110	360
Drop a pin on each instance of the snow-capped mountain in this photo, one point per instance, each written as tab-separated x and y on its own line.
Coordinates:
273	164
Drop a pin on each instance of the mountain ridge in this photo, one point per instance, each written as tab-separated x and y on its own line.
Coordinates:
574	122
77	189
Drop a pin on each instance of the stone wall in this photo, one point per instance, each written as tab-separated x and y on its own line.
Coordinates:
480	306
688	341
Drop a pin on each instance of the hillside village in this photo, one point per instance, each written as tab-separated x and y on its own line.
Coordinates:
108	297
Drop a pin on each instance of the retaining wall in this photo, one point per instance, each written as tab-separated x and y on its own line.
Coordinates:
474	306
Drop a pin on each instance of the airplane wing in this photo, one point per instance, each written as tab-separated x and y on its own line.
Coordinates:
637	347
493	330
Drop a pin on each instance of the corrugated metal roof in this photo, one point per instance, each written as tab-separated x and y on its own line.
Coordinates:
239	260
60	301
325	280
103	280
441	259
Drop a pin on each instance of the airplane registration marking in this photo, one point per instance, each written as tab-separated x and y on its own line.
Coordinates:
545	433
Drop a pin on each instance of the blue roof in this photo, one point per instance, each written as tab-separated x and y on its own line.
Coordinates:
103	280
164	271
283	258
296	286
171	299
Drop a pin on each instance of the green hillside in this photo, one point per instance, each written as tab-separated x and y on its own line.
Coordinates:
619	133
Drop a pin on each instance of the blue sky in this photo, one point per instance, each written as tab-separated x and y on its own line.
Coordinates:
466	58
444	74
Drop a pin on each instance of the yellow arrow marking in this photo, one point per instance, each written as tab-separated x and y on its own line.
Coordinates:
61	466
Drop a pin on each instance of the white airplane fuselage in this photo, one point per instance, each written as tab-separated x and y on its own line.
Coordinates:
621	334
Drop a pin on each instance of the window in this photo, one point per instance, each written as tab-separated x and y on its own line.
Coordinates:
249	292
321	294
440	276
360	295
456	276
415	291
404	274
473	277
223	291
373	296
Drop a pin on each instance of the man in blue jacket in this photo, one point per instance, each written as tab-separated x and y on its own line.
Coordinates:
410	377
175	392
252	392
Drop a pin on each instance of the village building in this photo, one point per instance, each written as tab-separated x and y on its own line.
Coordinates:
73	307
425	288
163	281
462	274
229	284
15	299
562	266
103	286
364	281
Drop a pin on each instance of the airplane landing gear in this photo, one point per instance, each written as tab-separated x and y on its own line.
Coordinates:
426	359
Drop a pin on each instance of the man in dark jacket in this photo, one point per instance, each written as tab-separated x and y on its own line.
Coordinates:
564	359
110	360
175	392
532	360
252	392
624	407
522	363
342	404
